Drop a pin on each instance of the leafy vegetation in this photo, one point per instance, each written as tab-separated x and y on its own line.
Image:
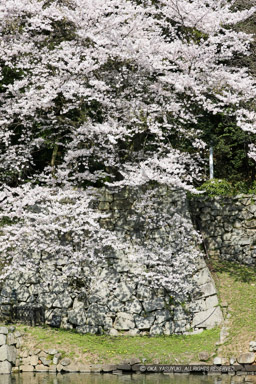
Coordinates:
217	187
106	349
82	106
237	289
223	187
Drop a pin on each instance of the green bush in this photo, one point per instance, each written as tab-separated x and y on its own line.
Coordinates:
217	187
222	187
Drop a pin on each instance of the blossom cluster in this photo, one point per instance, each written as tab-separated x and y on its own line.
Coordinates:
92	93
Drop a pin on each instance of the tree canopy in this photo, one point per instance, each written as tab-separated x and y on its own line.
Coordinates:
106	90
113	92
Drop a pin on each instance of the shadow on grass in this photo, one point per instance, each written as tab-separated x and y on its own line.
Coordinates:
239	272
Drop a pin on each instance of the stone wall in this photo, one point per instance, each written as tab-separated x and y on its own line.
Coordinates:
120	299
228	226
10	341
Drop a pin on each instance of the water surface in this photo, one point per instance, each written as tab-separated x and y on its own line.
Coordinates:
75	378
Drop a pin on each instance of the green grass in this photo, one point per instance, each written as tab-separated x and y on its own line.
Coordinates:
237	287
106	349
237	272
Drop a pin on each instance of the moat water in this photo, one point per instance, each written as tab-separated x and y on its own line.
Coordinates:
74	378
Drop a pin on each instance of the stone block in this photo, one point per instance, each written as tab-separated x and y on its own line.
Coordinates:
227	237
41	368
180	327
124	367
77	304
204	304
22	294
108	323
179	314
96	368
2	339
52	369
26	368
223	335
65	324
208	319
220	361
117	372
87	329
250	379
208	289
194	332
51	351
70	368
106	196
122	266
156	330
124	321
203	356
168	328
23	354
47	299
250	224
36	351
65	362
3	331
56	358
113	332
134	361
26	360
244	241
44	361
109	368
8	353
162	316
123	292
104	206
17	362
83	368
133	306
246	358
63	301
144	323
34	360
11	340
5	367
96	315
77	317
202	276
115	305
133	332
19	342
153	305
144	292
252	346
59	367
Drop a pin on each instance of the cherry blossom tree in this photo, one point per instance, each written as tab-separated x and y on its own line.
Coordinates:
94	87
48	228
106	92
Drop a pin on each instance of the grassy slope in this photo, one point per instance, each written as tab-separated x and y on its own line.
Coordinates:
237	287
106	349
